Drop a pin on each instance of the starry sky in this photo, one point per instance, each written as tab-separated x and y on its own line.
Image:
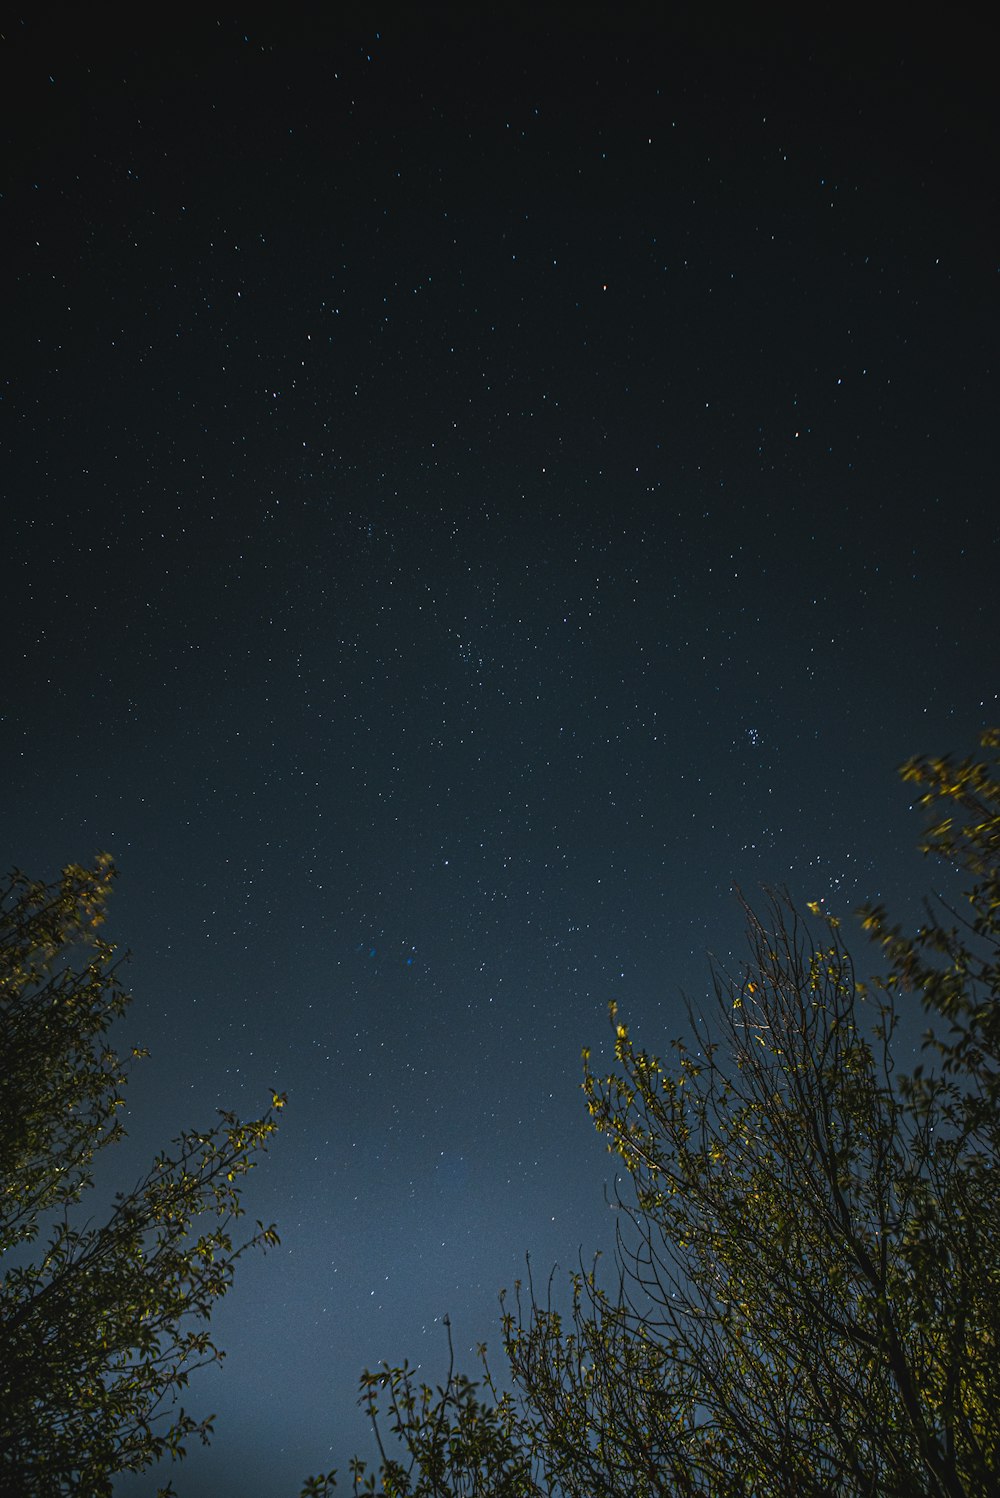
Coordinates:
476	489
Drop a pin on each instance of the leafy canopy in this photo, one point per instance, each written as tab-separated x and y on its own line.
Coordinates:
100	1326
807	1292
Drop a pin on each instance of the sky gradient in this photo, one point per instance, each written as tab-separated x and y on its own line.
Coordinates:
475	492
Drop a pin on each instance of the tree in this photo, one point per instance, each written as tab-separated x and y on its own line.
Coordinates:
100	1326
807	1295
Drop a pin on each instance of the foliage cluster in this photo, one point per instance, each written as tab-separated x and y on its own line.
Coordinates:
100	1325
807	1292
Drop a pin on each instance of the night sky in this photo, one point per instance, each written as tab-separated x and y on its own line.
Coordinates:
473	492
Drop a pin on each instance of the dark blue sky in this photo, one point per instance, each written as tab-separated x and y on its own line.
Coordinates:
475	492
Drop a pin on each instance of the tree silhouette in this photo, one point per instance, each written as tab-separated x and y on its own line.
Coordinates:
100	1326
807	1290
